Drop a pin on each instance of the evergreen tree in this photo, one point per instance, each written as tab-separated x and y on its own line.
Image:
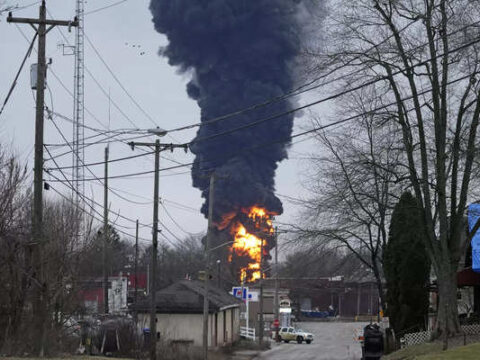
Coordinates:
406	267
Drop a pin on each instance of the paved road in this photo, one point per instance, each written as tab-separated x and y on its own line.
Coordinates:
332	341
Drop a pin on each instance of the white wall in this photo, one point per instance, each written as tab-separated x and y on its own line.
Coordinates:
189	327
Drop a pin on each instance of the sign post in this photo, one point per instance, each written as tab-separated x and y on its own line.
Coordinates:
242	293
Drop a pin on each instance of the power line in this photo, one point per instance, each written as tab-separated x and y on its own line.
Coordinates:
83	197
299	90
83	210
116	213
285	140
328	98
109	161
174	221
105	7
14	83
116	132
83	164
121	130
62	84
303	88
135	102
105	140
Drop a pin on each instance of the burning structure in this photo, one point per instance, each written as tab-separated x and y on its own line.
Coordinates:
239	53
252	233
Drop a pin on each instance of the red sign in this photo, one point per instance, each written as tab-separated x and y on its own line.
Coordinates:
276	323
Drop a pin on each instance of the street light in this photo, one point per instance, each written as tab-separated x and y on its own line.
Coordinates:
157	131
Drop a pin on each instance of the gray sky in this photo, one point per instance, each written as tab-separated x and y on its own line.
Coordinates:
157	87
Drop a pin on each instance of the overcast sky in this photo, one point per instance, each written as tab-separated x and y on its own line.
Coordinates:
125	38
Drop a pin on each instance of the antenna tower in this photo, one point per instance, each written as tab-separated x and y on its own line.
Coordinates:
78	112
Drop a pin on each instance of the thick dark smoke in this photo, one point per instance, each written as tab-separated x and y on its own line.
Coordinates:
240	53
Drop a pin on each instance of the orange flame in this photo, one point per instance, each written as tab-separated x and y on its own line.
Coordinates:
247	244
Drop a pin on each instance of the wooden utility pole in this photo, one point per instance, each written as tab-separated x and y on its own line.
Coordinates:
40	302
105	235
153	312
261	323
158	148
276	300
211	199
136	270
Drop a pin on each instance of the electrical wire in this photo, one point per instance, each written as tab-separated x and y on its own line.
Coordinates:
104	7
88	169
100	220
117	80
299	90
118	214
123	131
14	83
62	84
331	97
285	140
303	88
116	132
109	161
175	222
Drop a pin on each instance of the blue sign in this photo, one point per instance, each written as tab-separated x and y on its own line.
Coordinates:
473	217
240	293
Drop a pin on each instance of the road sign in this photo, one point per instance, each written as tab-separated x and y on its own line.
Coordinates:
240	293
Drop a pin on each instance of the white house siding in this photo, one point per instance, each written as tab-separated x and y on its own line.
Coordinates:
185	327
189	327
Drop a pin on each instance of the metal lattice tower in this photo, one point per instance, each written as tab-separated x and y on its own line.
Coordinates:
78	111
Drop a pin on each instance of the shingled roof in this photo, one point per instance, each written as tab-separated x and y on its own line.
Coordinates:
186	297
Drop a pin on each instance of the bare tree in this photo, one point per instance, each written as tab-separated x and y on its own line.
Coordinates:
423	56
354	182
14	257
62	250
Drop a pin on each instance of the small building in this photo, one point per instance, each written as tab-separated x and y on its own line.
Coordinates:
180	314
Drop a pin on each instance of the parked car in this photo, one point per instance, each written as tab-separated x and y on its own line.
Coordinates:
288	334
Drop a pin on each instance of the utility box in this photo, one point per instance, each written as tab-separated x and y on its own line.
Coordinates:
34	75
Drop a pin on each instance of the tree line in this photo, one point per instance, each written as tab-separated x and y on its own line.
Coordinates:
72	256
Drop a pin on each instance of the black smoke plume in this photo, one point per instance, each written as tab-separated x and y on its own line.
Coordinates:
240	53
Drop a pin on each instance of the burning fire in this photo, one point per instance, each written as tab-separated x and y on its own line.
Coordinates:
251	244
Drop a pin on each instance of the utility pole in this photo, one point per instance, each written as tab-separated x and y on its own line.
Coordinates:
136	284
40	305
105	235
158	148
276	302
211	199
260	323
135	269
153	312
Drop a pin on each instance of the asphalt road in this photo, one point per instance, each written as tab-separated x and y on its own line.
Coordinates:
332	341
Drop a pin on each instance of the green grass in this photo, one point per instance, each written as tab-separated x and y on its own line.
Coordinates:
469	352
433	351
412	352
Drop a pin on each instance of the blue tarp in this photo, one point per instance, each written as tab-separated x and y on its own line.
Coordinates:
473	217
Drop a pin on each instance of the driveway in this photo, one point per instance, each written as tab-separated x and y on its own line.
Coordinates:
332	341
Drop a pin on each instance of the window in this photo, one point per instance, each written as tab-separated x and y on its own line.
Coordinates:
291	330
284	330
